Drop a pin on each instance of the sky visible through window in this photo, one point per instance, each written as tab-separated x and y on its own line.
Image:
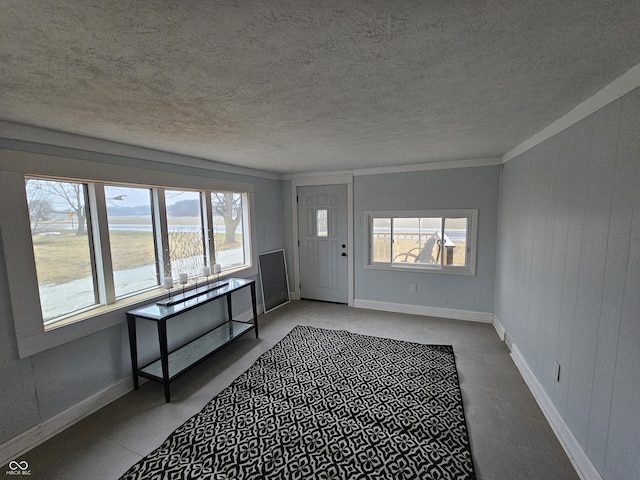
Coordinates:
64	247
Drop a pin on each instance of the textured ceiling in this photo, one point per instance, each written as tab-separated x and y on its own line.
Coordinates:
309	85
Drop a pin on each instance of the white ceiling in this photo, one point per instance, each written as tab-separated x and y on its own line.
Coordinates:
307	85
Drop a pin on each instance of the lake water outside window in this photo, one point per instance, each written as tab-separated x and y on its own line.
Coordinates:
433	241
151	232
62	246
415	239
184	224
131	236
455	245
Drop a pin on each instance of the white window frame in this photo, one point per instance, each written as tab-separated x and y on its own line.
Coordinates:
246	228
471	241
15	227
102	265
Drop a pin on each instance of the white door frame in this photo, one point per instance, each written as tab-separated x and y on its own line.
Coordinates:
305	181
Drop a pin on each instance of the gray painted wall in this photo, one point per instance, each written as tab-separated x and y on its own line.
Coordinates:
37	388
568	277
456	188
287	233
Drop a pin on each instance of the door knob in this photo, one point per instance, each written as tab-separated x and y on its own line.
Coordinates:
344	254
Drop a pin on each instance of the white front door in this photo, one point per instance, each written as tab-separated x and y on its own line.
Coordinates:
323	233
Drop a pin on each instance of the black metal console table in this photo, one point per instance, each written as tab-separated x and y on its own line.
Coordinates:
172	364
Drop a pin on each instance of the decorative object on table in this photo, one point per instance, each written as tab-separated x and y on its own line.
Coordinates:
184	278
206	271
168	284
327	404
274	279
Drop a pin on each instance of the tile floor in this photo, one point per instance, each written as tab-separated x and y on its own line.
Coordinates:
510	438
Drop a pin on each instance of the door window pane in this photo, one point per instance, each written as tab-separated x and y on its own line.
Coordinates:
131	236
184	225
229	229
61	246
322	227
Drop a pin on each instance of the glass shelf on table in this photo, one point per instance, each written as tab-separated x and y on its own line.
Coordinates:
185	356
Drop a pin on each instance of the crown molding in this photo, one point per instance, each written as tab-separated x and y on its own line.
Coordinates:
418	167
440	165
624	84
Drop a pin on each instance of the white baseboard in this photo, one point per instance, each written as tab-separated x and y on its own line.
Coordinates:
499	328
469	315
586	470
22	443
19	445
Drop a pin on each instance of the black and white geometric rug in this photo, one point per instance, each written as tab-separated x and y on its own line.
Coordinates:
326	404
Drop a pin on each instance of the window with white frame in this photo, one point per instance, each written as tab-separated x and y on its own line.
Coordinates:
185	236
229	225
131	239
63	247
95	244
435	241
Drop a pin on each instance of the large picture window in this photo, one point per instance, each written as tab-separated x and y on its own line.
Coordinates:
187	249
131	239
95	244
436	241
62	246
229	228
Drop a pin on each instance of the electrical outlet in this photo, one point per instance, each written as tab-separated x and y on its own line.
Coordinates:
413	288
556	371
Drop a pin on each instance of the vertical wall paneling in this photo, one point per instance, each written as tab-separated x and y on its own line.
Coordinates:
548	174
540	258
591	271
559	214
614	255
568	277
623	436
576	182
527	239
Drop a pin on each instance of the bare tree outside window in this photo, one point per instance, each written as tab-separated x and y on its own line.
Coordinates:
67	252
40	207
61	246
228	228
47	197
184	222
228	206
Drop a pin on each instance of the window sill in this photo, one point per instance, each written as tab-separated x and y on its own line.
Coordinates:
153	294
102	317
421	269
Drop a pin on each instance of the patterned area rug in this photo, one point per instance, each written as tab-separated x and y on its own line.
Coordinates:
326	404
